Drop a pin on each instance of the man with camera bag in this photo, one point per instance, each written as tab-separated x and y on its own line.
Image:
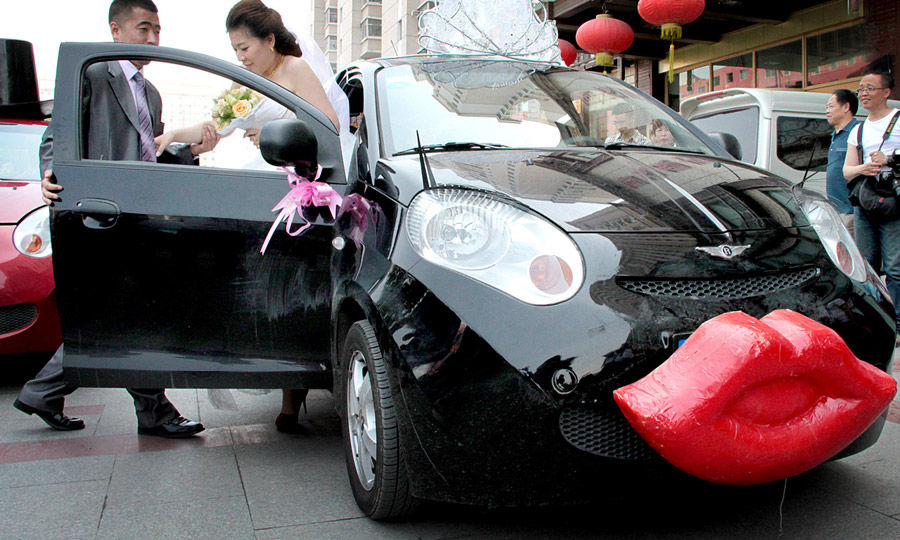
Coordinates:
870	153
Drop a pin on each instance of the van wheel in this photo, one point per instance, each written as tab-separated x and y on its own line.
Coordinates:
372	445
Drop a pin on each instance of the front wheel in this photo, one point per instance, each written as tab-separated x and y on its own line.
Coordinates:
372	444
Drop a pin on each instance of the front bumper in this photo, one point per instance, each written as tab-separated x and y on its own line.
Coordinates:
485	420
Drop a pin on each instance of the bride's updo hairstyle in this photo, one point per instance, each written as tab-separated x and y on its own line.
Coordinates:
260	21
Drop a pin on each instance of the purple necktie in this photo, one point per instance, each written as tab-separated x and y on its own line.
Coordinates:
148	145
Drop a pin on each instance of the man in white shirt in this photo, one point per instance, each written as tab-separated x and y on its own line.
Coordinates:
878	240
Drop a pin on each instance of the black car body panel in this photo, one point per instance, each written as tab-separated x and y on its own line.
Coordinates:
501	401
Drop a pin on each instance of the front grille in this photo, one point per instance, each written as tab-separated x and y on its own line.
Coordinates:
718	288
603	433
16	317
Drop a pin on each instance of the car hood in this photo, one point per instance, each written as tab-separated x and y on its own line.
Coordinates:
622	191
17	199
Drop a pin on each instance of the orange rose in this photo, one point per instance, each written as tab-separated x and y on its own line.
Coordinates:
241	108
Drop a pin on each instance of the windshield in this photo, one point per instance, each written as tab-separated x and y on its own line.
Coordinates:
543	109
19	145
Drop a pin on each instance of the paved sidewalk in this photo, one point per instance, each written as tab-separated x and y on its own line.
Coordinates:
243	479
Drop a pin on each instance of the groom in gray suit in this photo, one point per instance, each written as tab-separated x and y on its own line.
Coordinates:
121	118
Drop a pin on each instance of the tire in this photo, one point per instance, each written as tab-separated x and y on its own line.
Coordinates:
374	453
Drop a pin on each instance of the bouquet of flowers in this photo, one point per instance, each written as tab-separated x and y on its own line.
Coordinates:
232	104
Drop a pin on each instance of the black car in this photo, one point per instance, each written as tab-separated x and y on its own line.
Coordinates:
501	264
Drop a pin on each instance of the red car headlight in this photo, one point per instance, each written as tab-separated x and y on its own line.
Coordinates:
32	234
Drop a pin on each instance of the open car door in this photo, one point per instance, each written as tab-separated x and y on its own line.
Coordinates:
159	276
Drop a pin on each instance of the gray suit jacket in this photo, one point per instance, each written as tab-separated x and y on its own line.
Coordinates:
110	121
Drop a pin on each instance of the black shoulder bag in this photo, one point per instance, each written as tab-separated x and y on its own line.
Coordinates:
877	201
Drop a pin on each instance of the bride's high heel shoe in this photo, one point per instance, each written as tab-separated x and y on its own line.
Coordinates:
287	423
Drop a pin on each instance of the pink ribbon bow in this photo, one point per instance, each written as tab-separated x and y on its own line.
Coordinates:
302	193
360	211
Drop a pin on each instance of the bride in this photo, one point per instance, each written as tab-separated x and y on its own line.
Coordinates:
266	47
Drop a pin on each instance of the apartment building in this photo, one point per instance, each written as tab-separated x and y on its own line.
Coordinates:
351	29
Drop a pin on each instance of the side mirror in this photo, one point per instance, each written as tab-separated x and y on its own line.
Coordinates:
729	142
290	143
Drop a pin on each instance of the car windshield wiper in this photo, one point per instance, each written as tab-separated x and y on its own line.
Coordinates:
451	147
620	145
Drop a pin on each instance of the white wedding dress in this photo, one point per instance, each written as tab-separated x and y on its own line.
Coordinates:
268	110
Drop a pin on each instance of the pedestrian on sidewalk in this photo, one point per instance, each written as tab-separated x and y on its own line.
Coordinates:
840	111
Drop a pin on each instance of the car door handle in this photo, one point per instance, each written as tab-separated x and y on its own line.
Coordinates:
98	213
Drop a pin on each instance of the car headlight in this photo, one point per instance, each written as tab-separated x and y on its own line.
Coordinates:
32	234
835	237
496	243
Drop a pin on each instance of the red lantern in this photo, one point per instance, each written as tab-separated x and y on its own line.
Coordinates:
568	51
670	15
605	37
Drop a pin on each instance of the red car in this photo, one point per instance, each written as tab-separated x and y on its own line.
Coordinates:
29	322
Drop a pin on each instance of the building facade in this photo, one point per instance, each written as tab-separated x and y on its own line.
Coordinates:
802	45
351	29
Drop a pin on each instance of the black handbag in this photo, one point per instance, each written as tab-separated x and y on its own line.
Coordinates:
877	201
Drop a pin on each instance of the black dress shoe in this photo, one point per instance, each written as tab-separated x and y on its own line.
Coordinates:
56	420
176	428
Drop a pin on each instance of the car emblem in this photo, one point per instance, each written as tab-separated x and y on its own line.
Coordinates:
724	251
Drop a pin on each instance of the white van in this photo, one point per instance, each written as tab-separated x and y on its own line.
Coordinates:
777	129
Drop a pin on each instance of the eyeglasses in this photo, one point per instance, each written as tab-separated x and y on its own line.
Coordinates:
867	89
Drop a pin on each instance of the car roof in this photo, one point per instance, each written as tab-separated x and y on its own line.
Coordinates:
767	99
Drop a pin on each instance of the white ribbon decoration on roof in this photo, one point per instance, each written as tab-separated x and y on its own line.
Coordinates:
515	29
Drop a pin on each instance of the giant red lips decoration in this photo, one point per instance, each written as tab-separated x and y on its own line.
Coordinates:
746	400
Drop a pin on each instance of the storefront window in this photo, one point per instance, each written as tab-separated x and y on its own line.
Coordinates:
733	72
780	66
693	82
837	55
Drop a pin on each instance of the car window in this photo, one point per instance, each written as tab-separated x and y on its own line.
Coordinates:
191	96
742	123
428	102
19	145
803	142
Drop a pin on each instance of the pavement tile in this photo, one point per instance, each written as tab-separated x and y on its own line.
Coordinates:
70	510
58	448
340	530
22	427
215	517
55	471
173	476
870	478
295	482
